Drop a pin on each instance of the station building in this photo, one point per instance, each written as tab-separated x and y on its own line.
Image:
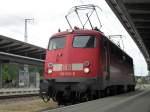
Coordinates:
21	64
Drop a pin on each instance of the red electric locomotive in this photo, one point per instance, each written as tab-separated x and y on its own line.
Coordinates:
82	65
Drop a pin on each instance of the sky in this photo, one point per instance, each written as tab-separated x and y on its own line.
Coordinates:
49	16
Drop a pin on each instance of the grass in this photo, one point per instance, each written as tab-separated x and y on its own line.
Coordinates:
34	105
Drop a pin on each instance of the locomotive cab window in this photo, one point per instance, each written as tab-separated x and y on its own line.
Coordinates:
57	43
84	42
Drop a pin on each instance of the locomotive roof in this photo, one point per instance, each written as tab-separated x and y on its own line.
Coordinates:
87	31
79	31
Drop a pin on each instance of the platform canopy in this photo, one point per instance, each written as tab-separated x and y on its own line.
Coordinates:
18	51
135	17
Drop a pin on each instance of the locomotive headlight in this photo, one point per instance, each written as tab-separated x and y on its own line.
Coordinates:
50	71
86	70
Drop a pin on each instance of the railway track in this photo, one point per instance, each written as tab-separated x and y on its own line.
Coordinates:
18	96
9	95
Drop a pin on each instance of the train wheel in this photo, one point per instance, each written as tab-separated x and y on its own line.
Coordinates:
74	98
85	98
133	88
107	91
102	93
96	94
89	95
125	89
114	90
59	98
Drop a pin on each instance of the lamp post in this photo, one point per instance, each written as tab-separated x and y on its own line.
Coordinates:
26	33
26	67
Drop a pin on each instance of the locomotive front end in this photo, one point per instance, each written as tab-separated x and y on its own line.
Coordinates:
70	66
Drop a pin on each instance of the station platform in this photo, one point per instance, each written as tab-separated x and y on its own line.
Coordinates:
18	91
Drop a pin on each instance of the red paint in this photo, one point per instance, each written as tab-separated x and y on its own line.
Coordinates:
71	55
119	70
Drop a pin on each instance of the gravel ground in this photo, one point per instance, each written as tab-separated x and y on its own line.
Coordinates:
34	104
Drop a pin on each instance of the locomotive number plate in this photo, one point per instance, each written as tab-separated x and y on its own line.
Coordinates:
67	73
67	67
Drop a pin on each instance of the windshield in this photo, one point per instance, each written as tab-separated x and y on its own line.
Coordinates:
57	43
84	41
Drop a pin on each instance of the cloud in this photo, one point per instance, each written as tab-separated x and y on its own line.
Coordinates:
14	19
9	20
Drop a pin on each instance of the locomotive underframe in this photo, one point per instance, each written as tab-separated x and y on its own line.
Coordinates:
74	90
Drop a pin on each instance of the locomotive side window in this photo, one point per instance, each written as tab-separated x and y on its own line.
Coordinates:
84	42
57	43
